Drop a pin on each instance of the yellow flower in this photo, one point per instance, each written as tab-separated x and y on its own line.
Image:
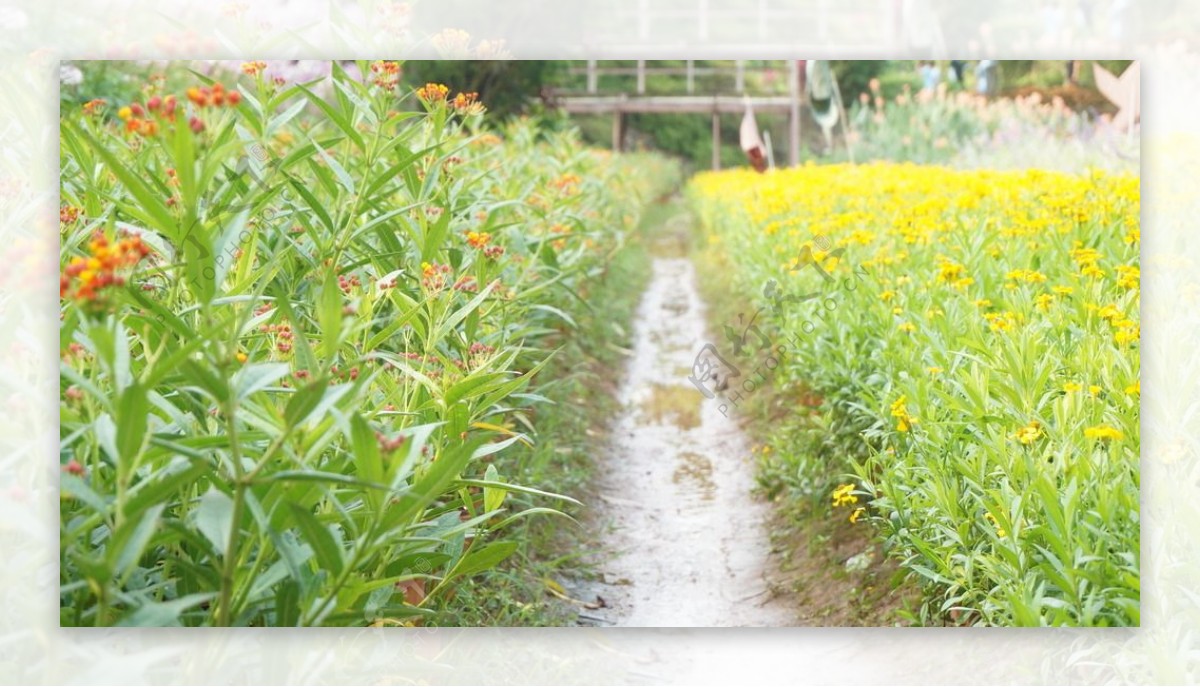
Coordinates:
1043	301
1029	276
908	327
904	421
1127	335
992	519
950	272
1134	389
1094	390
1103	432
858	513
1110	312
844	495
1000	321
1029	433
933	370
887	296
1063	290
1071	387
1128	277
241	357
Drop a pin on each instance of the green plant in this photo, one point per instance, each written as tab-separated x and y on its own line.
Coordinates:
972	341
295	331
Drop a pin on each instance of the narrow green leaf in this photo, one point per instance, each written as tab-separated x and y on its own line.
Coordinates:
214	519
317	535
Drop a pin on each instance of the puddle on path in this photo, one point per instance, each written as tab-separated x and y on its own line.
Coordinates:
687	541
672	404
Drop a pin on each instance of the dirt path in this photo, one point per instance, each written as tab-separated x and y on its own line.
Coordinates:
687	540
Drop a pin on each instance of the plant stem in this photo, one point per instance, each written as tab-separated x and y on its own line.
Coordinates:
225	607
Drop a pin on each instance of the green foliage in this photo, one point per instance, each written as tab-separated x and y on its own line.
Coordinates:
295	340
853	76
966	376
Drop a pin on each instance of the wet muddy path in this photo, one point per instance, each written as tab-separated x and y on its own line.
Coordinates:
686	540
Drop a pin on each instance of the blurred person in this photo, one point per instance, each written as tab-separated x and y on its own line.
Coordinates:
957	69
987	77
931	74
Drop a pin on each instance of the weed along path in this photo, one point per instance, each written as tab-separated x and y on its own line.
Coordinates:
686	539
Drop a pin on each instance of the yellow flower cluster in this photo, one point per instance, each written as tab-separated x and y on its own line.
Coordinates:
977	300
844	495
904	421
1029	433
1103	432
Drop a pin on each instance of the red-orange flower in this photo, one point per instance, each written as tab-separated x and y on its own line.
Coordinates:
478	239
94	107
85	279
567	183
467	103
433	275
212	96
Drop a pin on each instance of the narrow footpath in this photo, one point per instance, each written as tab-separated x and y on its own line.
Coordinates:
687	542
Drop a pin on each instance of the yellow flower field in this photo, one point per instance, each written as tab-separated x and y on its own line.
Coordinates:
989	358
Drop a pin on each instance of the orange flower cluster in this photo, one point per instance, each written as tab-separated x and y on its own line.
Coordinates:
253	68
94	107
433	93
467	104
144	120
567	184
387	74
478	239
86	278
216	96
464	100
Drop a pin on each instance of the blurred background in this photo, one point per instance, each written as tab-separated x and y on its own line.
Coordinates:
1015	113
